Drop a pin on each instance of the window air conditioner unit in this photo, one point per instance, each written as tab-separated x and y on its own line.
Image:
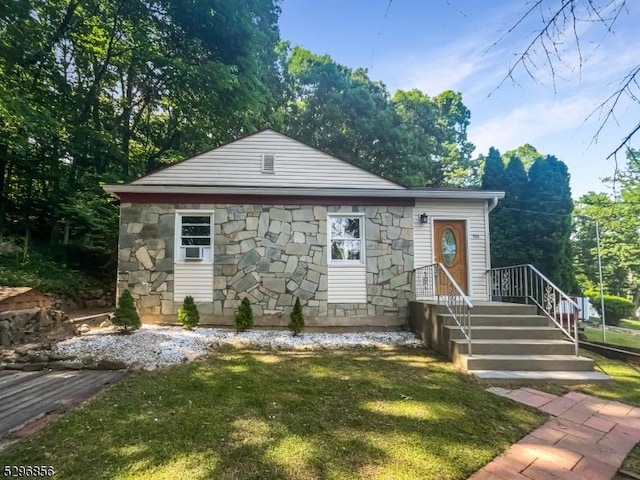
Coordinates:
193	253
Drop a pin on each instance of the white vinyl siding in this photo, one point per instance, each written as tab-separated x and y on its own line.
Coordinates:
347	279
474	212
347	284
240	164
195	279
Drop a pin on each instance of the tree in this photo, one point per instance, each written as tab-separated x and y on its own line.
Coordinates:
549	223
619	222
296	323
526	153
591	208
244	316
514	226
434	138
493	176
411	138
105	91
532	224
506	231
558	38
188	314
126	317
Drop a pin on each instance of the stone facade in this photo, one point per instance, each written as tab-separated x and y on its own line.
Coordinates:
145	257
270	254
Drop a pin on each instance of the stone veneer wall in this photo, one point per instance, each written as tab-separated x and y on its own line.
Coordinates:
271	254
389	257
145	257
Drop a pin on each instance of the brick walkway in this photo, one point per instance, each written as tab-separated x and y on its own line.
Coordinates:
587	438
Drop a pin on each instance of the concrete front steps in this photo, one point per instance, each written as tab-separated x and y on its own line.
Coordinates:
511	344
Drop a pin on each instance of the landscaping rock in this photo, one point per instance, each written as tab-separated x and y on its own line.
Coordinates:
14	366
106	364
34	367
27	348
34	357
56	357
154	347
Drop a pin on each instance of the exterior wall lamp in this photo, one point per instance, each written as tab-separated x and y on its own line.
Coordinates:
424	218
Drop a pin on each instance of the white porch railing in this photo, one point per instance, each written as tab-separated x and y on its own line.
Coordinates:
435	282
525	283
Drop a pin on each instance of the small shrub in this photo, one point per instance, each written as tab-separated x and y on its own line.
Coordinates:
244	316
188	314
615	308
126	317
296	324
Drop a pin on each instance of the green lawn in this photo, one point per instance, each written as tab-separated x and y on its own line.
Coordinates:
626	389
628	323
615	338
389	414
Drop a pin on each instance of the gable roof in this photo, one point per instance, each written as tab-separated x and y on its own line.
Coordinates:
239	164
236	169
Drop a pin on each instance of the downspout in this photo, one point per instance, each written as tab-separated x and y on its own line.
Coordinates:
493	203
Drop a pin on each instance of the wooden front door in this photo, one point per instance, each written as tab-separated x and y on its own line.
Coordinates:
450	249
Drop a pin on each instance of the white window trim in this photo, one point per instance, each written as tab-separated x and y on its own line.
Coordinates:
177	247
363	242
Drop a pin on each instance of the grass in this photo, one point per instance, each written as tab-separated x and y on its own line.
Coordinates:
241	414
626	389
626	386
632	462
631	324
614	338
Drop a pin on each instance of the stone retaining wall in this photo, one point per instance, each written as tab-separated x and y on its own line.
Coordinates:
18	326
270	254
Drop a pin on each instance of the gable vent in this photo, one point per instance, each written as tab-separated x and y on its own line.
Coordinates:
268	163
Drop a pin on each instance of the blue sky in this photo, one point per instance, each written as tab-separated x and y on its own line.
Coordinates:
442	45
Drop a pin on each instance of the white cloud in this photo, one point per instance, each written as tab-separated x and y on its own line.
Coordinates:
454	66
510	128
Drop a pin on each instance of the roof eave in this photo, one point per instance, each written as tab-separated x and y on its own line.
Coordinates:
320	192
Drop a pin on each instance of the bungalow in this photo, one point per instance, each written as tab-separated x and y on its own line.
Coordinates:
272	219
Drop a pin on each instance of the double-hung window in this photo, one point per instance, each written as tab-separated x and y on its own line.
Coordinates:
194	232
346	239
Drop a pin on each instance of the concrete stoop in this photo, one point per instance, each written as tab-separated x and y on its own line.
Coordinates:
511	344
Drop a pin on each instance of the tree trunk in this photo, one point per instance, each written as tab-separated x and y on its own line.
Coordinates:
4	162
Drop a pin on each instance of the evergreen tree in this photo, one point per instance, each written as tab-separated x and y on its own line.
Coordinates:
244	316
549	221
532	224
513	229
126	317
494	178
188	314
493	174
296	324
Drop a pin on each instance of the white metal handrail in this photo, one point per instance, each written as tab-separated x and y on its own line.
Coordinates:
435	281
528	283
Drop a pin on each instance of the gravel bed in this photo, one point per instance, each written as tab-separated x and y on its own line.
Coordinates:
155	346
